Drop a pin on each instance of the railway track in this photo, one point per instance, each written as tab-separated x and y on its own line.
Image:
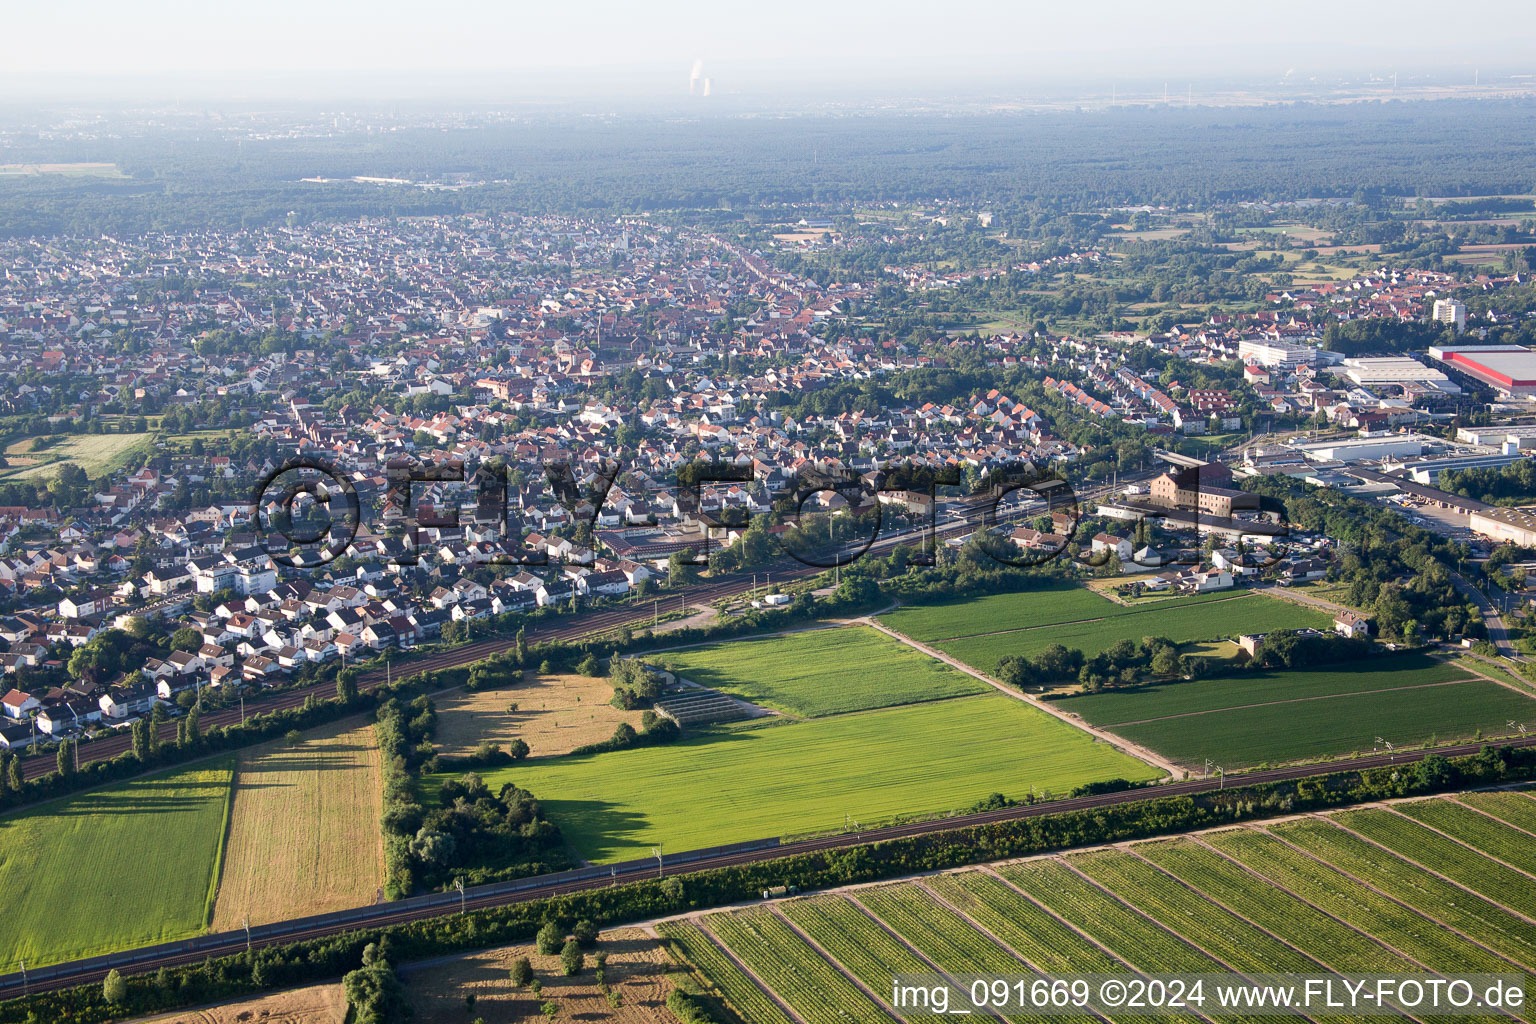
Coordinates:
448	904
577	627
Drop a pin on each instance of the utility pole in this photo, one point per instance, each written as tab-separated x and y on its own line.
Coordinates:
246	923
657	851
24	988
458	883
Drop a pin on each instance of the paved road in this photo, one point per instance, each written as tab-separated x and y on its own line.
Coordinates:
1498	634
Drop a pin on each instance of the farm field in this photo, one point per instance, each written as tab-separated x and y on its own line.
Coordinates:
317	1004
1181	621
555	715
1516	808
1412	841
1025	610
1223	692
638	968
64	170
736	785
823	671
1335	726
126	865
307	812
97	454
817	991
1300	895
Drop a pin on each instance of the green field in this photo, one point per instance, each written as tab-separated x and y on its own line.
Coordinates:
1182	621
117	867
1182	698
1336	726
1031	609
750	784
1301	897
823	672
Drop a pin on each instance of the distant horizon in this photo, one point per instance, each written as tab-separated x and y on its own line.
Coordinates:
751	86
829	50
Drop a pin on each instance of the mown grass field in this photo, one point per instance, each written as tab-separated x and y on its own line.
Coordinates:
823	672
304	834
97	454
1301	897
746	784
1336	726
1207	617
555	715
125	865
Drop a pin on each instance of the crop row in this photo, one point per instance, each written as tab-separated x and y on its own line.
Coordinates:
1036	935
1357	905
1516	808
941	935
1490	925
749	1001
818	991
858	944
1164	899
1317	935
1409	839
1493	838
1142	944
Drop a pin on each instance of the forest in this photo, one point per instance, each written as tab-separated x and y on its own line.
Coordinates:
196	178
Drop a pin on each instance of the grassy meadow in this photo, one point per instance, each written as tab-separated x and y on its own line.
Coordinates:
120	866
822	672
735	785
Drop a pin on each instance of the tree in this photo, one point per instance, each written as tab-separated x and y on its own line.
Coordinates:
572	958
141	739
550	1009
549	938
17	776
679	569
521	973
585	933
66	761
517	749
113	988
5	773
522	645
194	729
346	686
186	639
374	993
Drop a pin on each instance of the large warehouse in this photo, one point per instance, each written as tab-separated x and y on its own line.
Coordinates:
1509	369
1515	525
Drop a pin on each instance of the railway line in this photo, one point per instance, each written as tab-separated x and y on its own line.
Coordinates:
501	894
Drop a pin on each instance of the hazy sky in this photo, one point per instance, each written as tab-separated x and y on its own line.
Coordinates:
891	38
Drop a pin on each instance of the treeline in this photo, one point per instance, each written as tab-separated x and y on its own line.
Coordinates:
1514	484
148	751
316	959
